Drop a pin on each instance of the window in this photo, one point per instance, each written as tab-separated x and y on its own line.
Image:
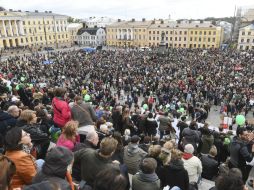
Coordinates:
249	33
204	32
149	32
210	33
153	38
21	40
208	40
200	32
191	32
190	38
185	33
149	37
153	32
171	32
25	31
167	38
166	32
26	39
213	39
184	38
171	38
195	39
214	33
158	32
184	45
175	38
199	45
34	22
41	38
180	32
243	33
28	22
24	23
248	40
242	40
195	45
31	38
179	38
157	38
196	32
199	39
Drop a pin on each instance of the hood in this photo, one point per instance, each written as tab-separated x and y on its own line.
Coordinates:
57	161
176	165
132	149
147	177
187	156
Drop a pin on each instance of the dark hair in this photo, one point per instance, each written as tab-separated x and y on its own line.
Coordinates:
110	179
12	139
118	137
150	115
7	171
227	182
240	130
148	165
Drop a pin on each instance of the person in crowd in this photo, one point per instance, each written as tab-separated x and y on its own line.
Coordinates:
164	122
240	153
210	164
173	173
192	164
25	164
83	112
8	119
133	155
127	123
69	137
91	141
181	125
8	169
154	151
146	178
57	168
40	139
92	161
207	140
61	109
151	125
110	179
191	135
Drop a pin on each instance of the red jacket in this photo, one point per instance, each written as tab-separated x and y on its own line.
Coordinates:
62	112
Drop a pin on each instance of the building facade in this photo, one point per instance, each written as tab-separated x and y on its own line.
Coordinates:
246	38
33	29
73	30
99	22
91	37
128	33
184	34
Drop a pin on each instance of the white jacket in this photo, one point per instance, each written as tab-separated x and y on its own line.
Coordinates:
193	167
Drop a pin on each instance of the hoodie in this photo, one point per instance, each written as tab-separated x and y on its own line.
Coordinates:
55	167
6	120
132	157
145	181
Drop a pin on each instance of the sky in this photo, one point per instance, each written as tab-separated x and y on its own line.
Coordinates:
128	9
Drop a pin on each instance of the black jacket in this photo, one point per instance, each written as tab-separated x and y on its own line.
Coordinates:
35	132
239	153
151	126
210	167
6	122
174	175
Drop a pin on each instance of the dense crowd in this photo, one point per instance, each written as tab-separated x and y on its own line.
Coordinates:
124	119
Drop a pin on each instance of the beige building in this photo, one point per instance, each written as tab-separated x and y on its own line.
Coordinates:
33	29
73	29
128	33
246	38
183	34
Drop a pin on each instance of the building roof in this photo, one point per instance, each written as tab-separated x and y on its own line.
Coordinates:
250	27
28	13
127	24
91	31
74	25
183	25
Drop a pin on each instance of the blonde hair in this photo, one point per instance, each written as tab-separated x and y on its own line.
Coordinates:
169	145
213	151
27	115
69	129
108	146
154	150
176	154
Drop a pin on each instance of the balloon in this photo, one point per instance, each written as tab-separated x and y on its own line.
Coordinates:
181	110
240	120
22	79
87	98
226	141
17	87
110	108
31	85
145	107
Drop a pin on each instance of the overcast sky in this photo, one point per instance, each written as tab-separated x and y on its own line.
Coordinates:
127	9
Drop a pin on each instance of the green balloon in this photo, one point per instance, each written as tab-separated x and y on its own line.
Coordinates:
22	79
10	88
240	120
181	110
110	108
17	87
145	107
226	141
87	98
31	85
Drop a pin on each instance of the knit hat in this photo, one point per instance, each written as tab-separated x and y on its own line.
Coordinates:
12	139
189	148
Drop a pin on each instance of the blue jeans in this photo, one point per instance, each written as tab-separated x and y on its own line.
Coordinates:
39	164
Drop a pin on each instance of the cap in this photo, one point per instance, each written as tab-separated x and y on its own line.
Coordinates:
189	148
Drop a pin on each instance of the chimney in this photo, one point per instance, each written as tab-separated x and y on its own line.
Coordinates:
143	19
19	10
133	20
118	20
50	11
27	11
36	11
10	10
46	11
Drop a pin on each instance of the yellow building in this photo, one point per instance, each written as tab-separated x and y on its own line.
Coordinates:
183	34
33	29
128	33
73	30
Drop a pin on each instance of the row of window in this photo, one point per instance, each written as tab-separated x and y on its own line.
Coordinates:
45	22
247	33
246	47
247	40
41	38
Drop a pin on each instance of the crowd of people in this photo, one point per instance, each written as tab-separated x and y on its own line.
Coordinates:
123	119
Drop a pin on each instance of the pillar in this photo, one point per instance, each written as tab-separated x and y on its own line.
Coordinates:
5	33
10	28
16	26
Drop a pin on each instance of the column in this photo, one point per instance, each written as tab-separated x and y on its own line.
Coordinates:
21	27
16	26
5	33
10	28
